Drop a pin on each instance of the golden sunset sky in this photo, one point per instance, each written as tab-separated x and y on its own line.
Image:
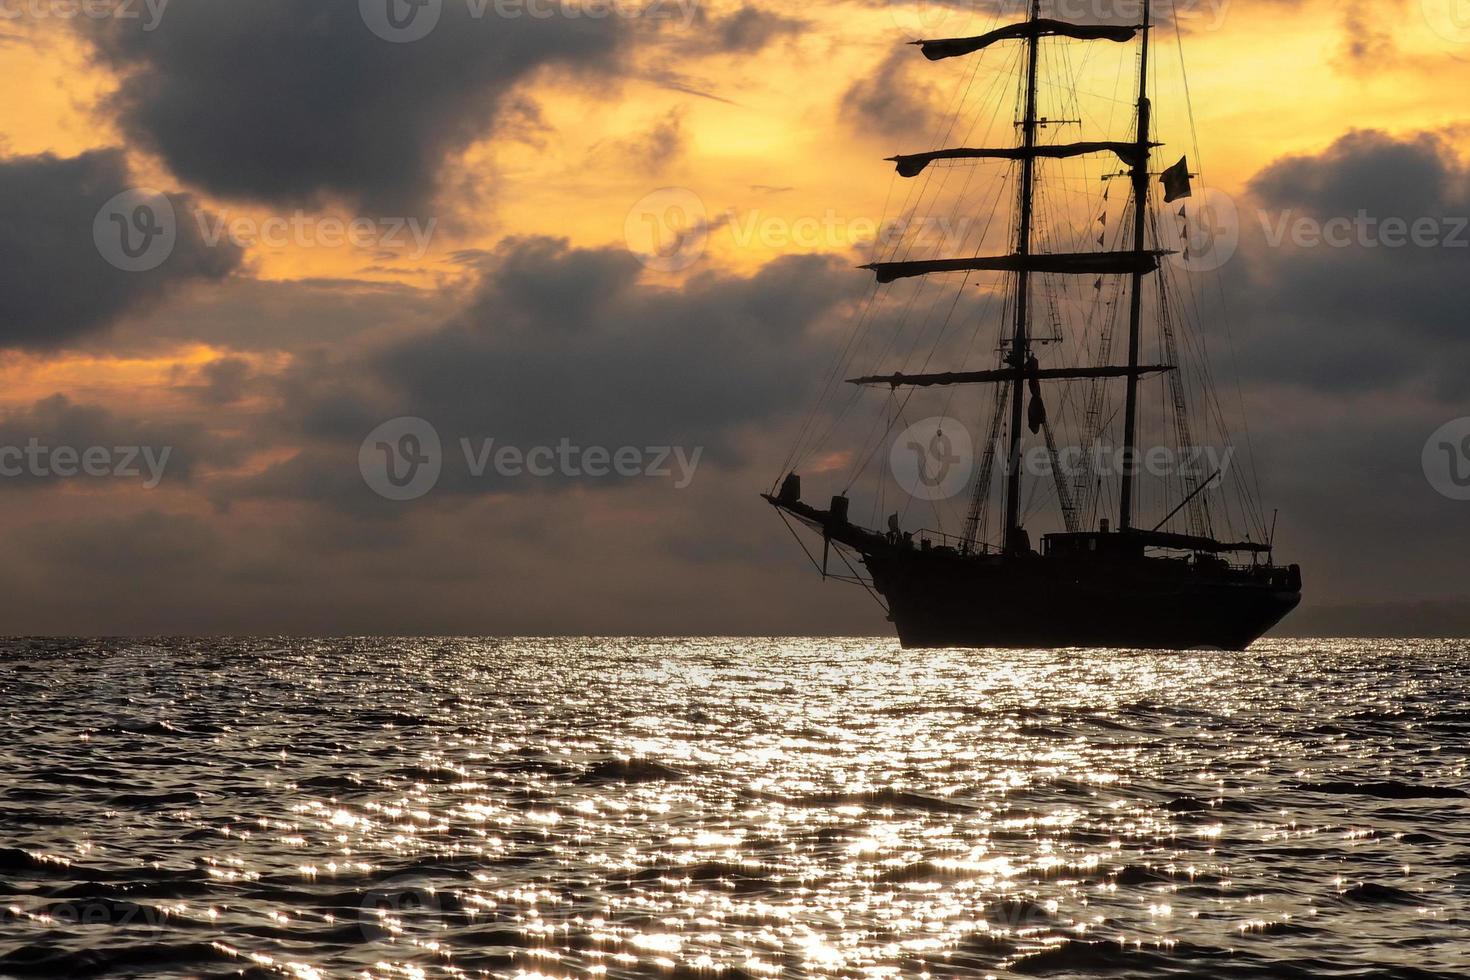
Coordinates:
522	147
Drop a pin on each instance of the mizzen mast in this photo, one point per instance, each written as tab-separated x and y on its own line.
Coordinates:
1135	310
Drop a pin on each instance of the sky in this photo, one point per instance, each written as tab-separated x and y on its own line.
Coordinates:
243	243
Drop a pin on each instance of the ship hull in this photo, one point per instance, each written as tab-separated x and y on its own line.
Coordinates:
1030	601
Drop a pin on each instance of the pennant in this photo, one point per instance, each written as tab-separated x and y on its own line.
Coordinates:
1176	181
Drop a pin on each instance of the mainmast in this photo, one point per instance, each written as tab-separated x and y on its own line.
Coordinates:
1020	369
1021	340
1135	312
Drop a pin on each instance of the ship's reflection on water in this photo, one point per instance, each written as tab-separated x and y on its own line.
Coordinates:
732	808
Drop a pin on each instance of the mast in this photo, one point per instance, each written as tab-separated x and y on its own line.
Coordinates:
1135	312
1020	342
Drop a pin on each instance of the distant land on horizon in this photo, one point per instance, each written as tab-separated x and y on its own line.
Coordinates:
1413	619
1417	619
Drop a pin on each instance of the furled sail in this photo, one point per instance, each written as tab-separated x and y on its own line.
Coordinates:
1006	374
913	164
1061	263
1036	413
954	47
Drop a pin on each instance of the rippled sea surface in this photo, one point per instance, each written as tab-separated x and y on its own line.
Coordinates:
732	808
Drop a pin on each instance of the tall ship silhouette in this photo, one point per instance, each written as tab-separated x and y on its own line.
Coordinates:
1168	557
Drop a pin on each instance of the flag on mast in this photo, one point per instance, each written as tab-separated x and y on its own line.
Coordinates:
1176	181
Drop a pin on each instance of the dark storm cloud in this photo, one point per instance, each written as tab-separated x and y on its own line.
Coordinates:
224	381
652	151
563	341
291	103
157	450
1352	350
112	550
247	314
746	31
567	343
894	101
58	285
1409	175
1335	292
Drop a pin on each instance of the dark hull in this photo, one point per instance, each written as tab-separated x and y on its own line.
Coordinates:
938	600
1083	589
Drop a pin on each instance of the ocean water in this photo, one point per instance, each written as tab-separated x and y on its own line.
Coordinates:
732	808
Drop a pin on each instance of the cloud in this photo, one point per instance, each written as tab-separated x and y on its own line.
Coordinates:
58	285
299	315
651	152
746	31
1365	307
1350	355
567	343
892	101
224	381
1413	174
154	450
290	104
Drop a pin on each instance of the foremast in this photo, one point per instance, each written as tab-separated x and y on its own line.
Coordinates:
1021	339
